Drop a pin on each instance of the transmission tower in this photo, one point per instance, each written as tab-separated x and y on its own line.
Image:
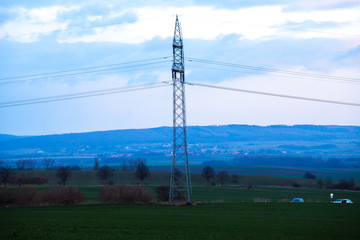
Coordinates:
180	181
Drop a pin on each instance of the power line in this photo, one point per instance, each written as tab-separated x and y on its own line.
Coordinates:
274	94
80	71
281	71
83	73
249	71
82	95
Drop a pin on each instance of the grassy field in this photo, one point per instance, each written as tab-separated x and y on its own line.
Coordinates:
229	212
204	221
205	194
86	178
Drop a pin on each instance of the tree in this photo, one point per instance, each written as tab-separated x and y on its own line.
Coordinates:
207	172
320	183
20	164
352	184
96	164
329	183
6	173
222	176
48	163
142	171
63	173
105	174
30	164
309	175
124	167
235	179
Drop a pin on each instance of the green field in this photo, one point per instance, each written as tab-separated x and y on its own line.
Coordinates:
261	211
85	178
204	221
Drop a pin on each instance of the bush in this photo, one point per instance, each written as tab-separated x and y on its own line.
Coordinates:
133	194
162	193
7	196
19	197
295	184
63	196
309	175
34	180
27	196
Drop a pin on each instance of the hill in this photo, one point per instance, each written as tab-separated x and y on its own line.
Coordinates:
196	134
206	143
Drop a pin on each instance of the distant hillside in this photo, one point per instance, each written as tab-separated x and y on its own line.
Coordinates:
6	137
196	134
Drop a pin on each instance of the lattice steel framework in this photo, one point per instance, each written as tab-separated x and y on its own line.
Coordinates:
180	181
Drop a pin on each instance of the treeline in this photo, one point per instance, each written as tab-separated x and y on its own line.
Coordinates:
294	161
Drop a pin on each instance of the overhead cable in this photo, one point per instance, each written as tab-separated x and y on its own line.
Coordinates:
82	94
78	72
273	70
274	94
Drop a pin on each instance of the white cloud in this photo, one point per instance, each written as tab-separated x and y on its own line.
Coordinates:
198	23
29	24
208	23
94	18
322	3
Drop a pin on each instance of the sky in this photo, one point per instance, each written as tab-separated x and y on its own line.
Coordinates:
129	43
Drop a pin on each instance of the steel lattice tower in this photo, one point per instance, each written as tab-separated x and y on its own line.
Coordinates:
180	181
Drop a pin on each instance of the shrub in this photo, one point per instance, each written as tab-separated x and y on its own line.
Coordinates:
309	175
162	193
7	196
235	179
295	184
63	196
36	180
27	196
133	194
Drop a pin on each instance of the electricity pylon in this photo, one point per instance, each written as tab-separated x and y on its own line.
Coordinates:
180	181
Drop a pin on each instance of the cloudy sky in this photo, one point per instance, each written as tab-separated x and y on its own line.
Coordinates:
51	48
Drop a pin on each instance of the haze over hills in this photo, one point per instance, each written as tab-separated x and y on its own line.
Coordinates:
205	142
196	134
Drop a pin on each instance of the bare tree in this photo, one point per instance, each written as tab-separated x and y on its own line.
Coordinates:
124	167
235	179
222	176
6	173
20	164
96	164
63	173
30	164
207	172
142	171
105	174
48	163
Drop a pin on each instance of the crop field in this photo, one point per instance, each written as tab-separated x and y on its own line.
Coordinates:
252	209
204	221
85	178
230	194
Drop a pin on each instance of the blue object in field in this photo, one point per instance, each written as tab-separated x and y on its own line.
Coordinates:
297	200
